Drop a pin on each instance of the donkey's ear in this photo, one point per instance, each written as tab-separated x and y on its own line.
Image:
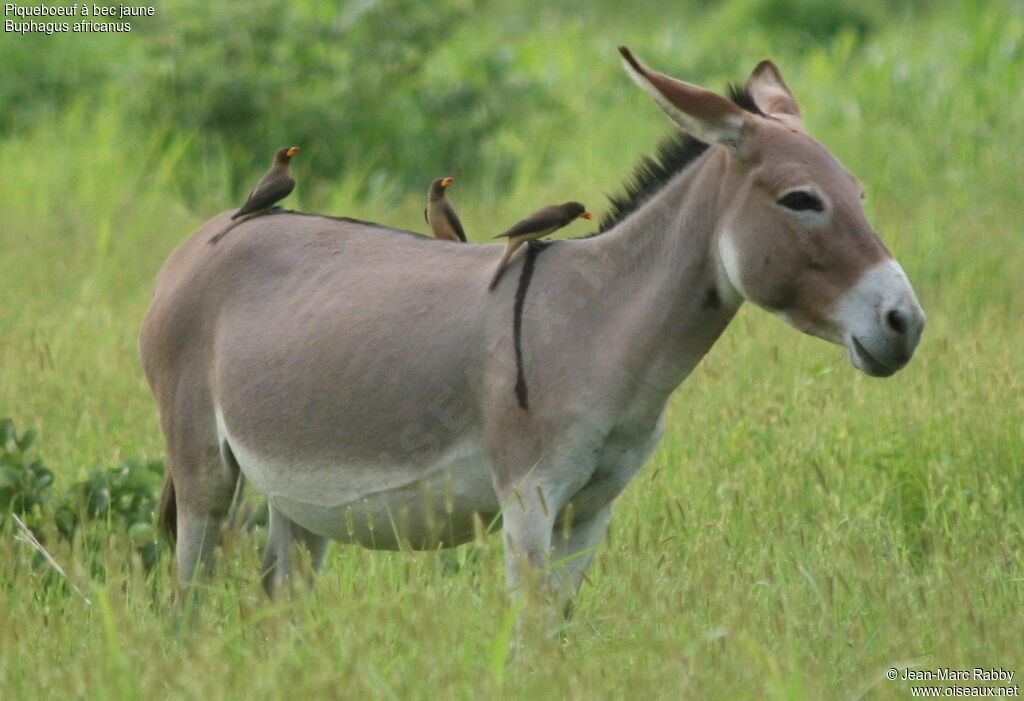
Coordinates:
701	113
770	92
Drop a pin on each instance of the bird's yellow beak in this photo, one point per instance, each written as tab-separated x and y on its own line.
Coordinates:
446	182
292	151
587	215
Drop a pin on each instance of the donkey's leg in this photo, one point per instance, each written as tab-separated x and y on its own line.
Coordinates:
535	469
576	537
316	544
574	545
277	558
532	493
528	516
197	538
203	487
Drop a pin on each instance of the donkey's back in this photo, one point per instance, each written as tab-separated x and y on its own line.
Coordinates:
301	282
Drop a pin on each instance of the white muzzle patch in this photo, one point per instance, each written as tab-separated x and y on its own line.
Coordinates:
880	320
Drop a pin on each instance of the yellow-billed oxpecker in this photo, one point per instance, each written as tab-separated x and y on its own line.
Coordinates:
273	187
443	221
541	223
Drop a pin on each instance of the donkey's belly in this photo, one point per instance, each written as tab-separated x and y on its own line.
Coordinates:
440	502
443	509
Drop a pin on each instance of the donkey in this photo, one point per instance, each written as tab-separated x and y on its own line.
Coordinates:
365	381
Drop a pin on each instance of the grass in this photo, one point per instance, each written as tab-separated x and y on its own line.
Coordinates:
801	528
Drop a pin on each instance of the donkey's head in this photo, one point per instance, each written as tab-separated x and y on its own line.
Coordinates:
791	233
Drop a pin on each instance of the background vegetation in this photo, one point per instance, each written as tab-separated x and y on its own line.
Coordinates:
802	527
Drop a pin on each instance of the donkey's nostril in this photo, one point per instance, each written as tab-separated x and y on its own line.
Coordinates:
896	320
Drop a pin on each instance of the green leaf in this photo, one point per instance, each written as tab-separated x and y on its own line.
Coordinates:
44	478
26	440
6	430
9	476
99	501
141	533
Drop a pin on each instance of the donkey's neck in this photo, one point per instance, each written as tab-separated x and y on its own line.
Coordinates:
657	277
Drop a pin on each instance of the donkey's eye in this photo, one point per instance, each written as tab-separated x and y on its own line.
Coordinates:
800	201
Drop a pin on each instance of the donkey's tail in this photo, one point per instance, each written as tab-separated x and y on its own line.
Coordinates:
168	510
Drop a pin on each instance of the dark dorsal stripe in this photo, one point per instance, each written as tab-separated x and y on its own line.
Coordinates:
671	157
533	249
353	220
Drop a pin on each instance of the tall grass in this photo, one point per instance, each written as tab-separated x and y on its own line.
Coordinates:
801	527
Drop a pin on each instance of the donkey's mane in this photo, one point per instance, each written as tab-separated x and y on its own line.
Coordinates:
672	156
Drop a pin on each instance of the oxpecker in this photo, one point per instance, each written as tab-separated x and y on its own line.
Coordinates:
273	187
541	223
443	221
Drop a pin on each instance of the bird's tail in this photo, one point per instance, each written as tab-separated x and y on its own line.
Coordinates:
509	250
224	232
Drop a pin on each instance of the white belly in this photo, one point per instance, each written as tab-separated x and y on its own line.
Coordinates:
383	506
442	500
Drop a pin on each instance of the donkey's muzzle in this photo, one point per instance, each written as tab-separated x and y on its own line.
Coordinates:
882	320
883	353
